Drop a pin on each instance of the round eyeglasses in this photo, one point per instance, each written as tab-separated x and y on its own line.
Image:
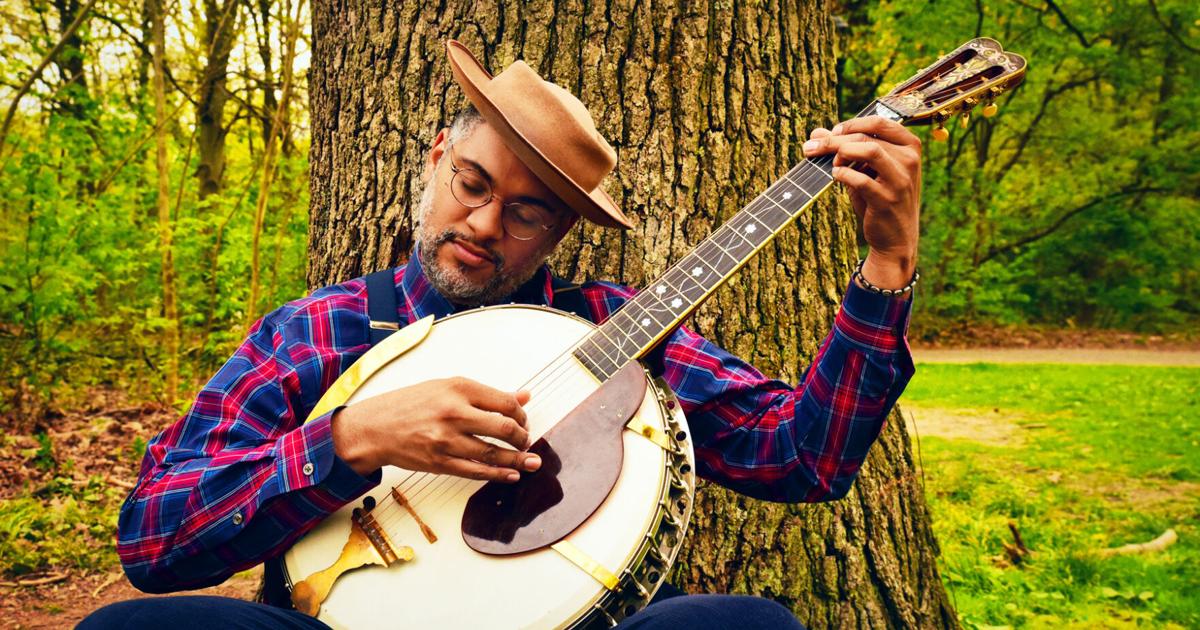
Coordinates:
521	221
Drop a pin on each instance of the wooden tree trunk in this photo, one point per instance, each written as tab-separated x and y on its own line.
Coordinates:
219	28
165	228
706	104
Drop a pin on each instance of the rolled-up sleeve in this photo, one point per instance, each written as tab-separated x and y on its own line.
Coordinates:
240	476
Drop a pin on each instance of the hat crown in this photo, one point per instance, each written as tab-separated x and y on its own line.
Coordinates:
547	128
554	121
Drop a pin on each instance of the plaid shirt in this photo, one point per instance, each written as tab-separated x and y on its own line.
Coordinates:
241	477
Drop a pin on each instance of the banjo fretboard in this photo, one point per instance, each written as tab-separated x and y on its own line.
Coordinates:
640	323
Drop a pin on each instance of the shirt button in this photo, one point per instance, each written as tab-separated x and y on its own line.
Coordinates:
237	518
308	468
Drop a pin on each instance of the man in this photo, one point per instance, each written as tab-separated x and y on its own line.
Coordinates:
241	476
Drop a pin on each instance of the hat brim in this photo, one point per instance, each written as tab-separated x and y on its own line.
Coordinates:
595	205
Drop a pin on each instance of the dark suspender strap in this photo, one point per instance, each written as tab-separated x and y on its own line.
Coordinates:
569	297
381	305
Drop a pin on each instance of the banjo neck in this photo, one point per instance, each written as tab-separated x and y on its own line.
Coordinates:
975	73
643	321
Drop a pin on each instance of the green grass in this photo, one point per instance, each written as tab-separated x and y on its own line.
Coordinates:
64	526
1101	456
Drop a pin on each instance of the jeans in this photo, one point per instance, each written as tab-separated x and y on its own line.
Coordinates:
669	609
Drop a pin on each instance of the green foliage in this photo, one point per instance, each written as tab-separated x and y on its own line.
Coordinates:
81	289
1100	457
1077	204
72	529
43	457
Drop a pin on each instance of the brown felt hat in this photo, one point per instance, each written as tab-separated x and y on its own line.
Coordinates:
547	128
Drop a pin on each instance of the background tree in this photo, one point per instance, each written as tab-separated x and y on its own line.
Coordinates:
1077	205
705	105
219	34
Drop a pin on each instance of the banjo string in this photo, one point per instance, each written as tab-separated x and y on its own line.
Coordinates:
388	511
442	489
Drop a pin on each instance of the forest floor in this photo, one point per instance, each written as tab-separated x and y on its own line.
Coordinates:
64	604
1077	457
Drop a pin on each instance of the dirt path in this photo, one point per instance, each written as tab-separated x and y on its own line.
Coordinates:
1094	356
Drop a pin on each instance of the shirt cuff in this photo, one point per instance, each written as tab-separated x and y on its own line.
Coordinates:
874	322
306	458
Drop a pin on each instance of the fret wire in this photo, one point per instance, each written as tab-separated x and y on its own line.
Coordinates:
767	205
678	293
823	164
703	289
617	346
591	366
734	247
697	272
712	240
782	209
641	335
708	242
613	344
646	312
803	170
627	334
738	232
739	229
796	178
652	311
800	187
641	321
636	330
695	253
592	340
686	302
811	196
596	363
600	329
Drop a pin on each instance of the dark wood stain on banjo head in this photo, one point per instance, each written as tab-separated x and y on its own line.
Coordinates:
581	460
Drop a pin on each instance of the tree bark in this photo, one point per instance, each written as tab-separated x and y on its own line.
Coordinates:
166	229
220	31
290	33
71	61
706	103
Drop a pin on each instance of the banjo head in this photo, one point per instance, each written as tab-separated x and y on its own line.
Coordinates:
634	534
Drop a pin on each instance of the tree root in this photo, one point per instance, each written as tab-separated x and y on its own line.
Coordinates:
1167	539
42	581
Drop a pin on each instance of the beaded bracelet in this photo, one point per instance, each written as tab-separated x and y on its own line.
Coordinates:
858	275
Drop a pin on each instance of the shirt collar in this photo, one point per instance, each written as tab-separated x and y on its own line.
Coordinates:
423	300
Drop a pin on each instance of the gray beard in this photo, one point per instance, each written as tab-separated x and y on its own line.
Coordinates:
452	283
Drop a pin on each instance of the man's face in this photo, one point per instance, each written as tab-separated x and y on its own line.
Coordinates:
466	253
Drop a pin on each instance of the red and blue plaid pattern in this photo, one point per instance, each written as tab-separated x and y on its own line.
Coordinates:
239	478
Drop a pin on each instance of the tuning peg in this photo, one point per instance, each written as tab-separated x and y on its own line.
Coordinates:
940	134
964	120
989	110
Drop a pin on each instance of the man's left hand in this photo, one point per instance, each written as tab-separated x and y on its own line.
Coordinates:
879	161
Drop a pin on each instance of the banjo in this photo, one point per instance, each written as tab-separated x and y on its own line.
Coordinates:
586	540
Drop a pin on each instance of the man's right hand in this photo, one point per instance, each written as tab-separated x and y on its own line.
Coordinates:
435	427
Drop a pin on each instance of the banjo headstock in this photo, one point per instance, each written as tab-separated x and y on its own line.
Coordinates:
975	73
